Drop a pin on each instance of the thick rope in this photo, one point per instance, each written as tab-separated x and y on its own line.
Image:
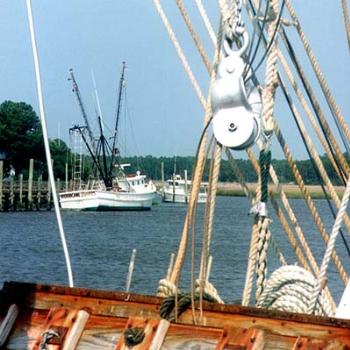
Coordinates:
268	102
330	247
305	191
315	105
318	161
194	35
209	217
345	8
179	52
310	203
289	289
318	72
213	184
293	219
206	21
134	336
201	152
314	124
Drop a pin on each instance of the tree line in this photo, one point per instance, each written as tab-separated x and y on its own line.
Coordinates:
21	139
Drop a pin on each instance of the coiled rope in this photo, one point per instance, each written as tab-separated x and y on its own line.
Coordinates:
290	289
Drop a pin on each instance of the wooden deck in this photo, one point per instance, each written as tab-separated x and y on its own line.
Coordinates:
91	319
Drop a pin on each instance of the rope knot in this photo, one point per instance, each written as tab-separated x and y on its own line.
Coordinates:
134	336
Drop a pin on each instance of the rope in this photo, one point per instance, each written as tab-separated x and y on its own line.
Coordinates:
289	289
315	156
206	21
264	161
166	288
207	290
314	212
173	306
268	101
329	135
46	337
262	249
46	144
134	336
210	209
194	35
346	19
306	194
201	148
323	83
179	51
330	247
294	221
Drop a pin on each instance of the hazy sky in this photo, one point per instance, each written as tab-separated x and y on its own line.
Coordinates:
166	117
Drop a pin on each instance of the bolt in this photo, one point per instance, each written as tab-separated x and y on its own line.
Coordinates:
232	127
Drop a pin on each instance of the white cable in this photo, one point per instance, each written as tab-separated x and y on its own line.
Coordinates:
46	143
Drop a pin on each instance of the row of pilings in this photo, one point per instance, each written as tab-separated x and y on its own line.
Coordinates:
19	194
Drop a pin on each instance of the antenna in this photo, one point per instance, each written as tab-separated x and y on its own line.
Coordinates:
97	99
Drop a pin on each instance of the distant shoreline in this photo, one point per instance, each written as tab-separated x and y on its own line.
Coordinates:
234	189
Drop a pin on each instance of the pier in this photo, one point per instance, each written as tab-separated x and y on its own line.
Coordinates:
19	194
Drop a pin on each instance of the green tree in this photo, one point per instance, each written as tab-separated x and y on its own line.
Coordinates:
20	134
60	154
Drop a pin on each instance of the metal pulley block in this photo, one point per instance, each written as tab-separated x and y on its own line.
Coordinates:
236	107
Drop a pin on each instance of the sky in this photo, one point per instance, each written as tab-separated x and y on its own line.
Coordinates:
163	116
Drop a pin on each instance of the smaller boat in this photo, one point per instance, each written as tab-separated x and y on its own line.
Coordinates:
177	190
131	192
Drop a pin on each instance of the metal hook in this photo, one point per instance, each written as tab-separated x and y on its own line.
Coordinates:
240	52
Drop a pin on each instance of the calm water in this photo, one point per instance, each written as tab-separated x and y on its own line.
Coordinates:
100	246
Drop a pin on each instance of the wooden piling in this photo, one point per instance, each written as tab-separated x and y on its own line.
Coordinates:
30	184
48	195
38	196
1	180
186	187
67	180
12	194
162	177
20	191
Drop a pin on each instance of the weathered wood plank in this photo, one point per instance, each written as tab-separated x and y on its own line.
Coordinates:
76	330
7	323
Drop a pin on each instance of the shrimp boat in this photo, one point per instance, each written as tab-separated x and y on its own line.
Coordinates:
115	190
177	190
129	193
293	306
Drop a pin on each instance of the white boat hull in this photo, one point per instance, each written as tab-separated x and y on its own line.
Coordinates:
106	200
169	197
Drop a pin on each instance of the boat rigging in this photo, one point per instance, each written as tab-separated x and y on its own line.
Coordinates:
76	90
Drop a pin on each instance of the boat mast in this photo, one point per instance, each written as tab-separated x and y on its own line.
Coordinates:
104	148
115	151
82	108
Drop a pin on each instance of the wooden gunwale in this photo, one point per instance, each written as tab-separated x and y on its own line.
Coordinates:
13	292
110	311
